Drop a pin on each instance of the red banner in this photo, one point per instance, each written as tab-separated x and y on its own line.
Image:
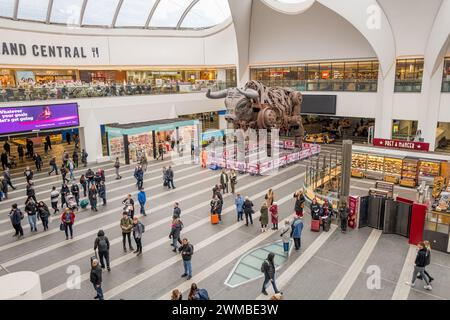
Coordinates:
353	214
400	144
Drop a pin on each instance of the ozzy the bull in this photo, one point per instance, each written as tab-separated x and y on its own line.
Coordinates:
259	107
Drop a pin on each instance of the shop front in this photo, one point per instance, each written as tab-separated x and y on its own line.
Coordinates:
129	142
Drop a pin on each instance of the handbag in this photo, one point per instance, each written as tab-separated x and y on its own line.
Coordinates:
61	227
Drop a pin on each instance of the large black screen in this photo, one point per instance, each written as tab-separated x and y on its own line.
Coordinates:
319	104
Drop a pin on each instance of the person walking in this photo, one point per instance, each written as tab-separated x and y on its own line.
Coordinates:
117	167
419	267
63	170
75	157
224	181
343	216
90	177
264	218
215	205
68	220
53	166
7	178
37	161
286	236
102	192
139	175
126	225
30	192
28	173
274	215
299	203
84	184
4	186
75	190
16	216
31	210
186	250
4	159
68	138
160	152
1	189
101	245
170	177
65	158
93	197
64	192
296	232
176	211
129	205
71	168
270	197
96	279
239	202
142	199
233	180
54	196
43	214
84	156
49	142
248	210
7	148
138	230
175	233
268	269
165	180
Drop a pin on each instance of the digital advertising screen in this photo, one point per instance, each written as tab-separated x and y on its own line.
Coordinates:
43	117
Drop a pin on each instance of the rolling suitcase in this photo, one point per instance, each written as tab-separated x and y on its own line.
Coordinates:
315	225
84	203
326	224
214	219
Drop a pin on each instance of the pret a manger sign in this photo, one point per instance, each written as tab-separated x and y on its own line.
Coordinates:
399	144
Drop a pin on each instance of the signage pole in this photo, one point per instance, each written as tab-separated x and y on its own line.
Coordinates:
154	143
126	149
346	169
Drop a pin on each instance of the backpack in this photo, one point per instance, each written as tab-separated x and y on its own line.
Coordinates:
263	266
202	294
102	244
142	226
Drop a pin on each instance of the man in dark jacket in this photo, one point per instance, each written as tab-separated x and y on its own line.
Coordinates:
299	203
75	157
139	175
20	152
49	142
96	279
31	194
90	177
419	268
7	178
84	156
28	173
4	159
7	148
16	217
175	233
31	210
37	161
53	166
343	216
75	189
268	268
224	181
176	211
187	250
102	245
170	177
248	210
102	192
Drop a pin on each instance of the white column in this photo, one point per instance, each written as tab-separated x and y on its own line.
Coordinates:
92	138
385	103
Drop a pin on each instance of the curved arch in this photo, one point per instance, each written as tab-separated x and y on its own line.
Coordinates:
290	8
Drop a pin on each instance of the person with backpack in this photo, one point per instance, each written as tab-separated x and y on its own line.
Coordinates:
138	230
31	210
428	247
54	196
117	167
176	211
239	202
175	233
43	214
84	156
197	294
102	246
126	225
296	232
286	236
268	269
93	197
102	192
248	210
419	267
68	220
84	183
53	166
96	279
16	216
142	199
186	250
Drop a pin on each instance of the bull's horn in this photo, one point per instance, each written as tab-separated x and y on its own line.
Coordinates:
216	95
249	93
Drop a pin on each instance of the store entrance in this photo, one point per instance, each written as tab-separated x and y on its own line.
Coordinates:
443	137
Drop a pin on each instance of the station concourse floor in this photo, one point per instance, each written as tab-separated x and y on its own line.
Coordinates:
329	266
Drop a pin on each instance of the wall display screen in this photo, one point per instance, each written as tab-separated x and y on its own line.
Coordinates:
319	104
34	118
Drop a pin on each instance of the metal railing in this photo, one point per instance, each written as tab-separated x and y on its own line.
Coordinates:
326	85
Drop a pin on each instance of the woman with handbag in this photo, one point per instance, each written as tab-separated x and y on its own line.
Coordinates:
264	218
67	222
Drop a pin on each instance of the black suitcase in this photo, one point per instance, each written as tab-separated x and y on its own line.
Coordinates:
326	224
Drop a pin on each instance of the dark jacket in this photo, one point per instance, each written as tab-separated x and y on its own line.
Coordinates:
268	268
170	174
28	174
138	230
176	230
343	213
75	189
299	203
100	237
92	194
43	211
102	191
421	258
96	275
64	191
15	216
248	207
139	175
186	251
30	191
176	212
89	174
31	209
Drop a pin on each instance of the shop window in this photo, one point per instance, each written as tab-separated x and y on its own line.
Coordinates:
446	76
405	130
350	72
409	73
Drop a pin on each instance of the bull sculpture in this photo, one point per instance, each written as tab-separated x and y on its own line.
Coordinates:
259	107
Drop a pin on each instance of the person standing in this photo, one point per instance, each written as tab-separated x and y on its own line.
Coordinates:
264	218
126	225
53	166
63	170
343	216
38	162
139	175
96	279
129	205
7	178
75	192
4	159
270	197
419	267
138	230
186	250
7	148
117	167
274	215
64	192
83	183
71	167
49	142
175	233
224	181
76	140
160	152
286	236
28	173
45	149
165	181
142	198
93	197
43	214
239	202
102	192
16	216
90	177
84	156
268	268
176	211
31	193
68	220
20	152
299	203
297	229
215	204
54	196
233	180
75	157
170	176
31	210
102	246
248	210
68	138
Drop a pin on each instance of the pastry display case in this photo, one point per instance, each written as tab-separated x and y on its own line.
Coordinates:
392	169
429	168
410	172
375	163
359	163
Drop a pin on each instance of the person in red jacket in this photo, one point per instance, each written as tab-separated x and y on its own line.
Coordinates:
68	219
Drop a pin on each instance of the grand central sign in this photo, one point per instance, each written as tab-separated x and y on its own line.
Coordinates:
48	51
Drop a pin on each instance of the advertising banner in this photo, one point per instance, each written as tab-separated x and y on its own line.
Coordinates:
353	204
33	118
265	166
253	168
240	166
289	144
